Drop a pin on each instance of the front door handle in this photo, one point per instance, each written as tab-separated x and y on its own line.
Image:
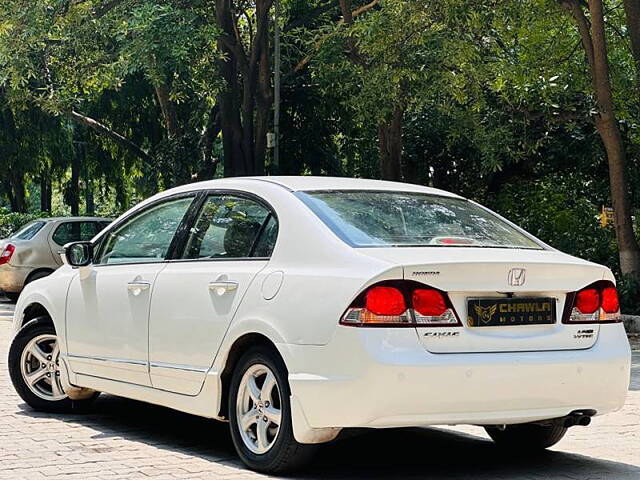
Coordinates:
222	287
137	286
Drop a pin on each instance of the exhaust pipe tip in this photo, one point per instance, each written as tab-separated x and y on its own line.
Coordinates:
584	421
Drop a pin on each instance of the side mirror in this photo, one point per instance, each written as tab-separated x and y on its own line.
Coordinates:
77	254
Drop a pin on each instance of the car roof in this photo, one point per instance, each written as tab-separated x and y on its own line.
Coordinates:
312	183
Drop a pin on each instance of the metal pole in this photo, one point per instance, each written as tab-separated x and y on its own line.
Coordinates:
276	91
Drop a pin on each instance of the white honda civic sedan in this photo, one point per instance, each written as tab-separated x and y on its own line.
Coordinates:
295	307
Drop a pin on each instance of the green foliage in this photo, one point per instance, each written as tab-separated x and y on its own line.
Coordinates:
496	98
628	288
11	222
554	210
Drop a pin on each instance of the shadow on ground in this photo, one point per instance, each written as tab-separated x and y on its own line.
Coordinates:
396	453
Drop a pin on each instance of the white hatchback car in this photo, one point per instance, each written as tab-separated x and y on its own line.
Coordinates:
295	307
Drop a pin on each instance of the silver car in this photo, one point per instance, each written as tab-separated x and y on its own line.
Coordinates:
32	252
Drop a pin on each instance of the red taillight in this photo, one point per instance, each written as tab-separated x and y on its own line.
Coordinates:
400	303
385	301
588	300
610	302
6	254
597	303
429	302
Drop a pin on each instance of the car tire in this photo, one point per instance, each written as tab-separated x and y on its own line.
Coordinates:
528	436
260	392
13	297
34	368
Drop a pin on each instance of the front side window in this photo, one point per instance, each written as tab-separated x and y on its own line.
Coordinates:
76	232
147	236
228	226
404	219
28	231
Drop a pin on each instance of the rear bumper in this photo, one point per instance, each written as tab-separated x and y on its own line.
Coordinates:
12	278
386	378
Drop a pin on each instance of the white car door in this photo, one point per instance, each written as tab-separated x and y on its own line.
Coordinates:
108	302
197	294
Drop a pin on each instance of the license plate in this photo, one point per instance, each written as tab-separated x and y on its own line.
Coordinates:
503	312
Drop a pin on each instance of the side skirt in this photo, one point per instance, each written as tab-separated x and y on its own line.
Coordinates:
204	404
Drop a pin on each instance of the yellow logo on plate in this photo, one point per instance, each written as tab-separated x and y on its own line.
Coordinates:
485	314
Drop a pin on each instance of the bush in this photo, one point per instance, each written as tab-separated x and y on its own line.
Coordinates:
11	222
628	289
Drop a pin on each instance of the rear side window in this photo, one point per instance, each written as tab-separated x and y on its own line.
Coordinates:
267	240
229	226
407	219
76	232
28	231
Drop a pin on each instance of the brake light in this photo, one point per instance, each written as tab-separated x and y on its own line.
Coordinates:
385	301
588	300
400	303
7	253
597	303
610	302
429	302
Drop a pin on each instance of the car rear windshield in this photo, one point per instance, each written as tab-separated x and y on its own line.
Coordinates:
28	231
406	219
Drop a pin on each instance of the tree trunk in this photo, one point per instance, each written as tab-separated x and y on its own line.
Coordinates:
45	192
168	108
89	204
607	125
229	97
15	188
632	12
390	147
237	101
73	189
264	94
18	196
208	164
389	133
594	42
248	104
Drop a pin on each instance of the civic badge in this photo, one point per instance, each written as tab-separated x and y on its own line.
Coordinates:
517	277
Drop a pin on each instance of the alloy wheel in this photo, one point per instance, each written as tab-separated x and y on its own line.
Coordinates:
258	408
40	367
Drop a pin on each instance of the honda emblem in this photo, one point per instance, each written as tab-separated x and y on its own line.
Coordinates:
517	277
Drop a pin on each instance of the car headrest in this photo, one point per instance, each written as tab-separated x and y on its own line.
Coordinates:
239	237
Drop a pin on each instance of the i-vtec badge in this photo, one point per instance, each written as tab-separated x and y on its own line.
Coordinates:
441	334
584	333
517	277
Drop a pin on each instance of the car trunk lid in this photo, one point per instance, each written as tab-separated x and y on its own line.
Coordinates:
494	274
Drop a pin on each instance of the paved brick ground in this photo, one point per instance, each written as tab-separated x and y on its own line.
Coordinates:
126	439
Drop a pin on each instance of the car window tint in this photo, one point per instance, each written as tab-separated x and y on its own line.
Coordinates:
28	231
147	236
267	240
76	232
226	227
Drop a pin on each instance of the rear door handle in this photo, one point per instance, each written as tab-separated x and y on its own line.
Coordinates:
222	287
138	286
